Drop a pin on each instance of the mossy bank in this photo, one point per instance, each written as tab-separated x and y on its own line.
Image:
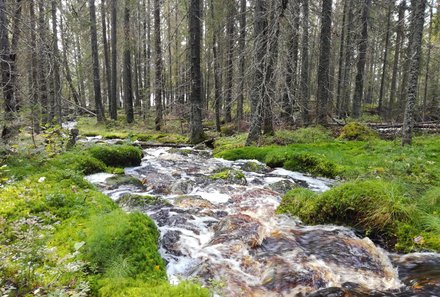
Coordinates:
61	236
385	191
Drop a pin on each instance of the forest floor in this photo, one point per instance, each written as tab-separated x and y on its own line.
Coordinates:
60	235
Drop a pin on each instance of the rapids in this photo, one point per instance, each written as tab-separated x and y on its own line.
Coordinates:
224	233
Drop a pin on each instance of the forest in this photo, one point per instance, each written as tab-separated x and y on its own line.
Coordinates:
220	148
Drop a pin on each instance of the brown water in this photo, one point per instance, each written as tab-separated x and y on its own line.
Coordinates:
225	234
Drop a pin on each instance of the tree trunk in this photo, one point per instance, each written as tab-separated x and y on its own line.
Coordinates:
385	57
8	89
108	78
14	49
159	66
33	85
43	70
229	61
323	94
95	61
348	54
399	36
290	91
217	78
242	63
67	72
113	103
57	110
196	129
417	23
363	45
344	29
428	61
305	82
128	89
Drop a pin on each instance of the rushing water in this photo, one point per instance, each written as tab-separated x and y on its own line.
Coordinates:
225	233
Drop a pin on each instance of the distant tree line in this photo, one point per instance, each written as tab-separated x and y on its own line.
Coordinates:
253	65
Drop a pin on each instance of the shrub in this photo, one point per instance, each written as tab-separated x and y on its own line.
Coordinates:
228	129
117	155
357	131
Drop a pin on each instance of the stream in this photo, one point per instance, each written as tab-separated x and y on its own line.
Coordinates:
224	233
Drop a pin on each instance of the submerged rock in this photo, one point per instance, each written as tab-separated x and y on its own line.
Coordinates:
117	181
283	186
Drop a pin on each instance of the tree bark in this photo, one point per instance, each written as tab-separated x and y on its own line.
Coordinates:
217	75
415	53
8	89
57	110
396	62
363	46
305	82
229	61
342	49
33	85
128	89
108	79
428	61
95	61
290	91
196	129
242	62
159	66
113	103
385	57
323	76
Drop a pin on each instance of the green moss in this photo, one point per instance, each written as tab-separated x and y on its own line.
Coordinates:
117	155
313	164
79	161
227	173
121	245
378	208
357	131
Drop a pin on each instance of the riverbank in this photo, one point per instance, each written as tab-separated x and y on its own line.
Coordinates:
60	235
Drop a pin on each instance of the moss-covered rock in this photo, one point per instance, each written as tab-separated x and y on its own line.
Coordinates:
357	131
119	180
117	155
138	201
254	167
229	175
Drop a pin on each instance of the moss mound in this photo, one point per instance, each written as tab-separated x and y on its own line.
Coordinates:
117	155
376	207
357	131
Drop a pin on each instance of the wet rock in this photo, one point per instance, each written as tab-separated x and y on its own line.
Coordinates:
280	276
192	202
239	227
158	183
329	292
283	186
161	217
170	242
182	187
